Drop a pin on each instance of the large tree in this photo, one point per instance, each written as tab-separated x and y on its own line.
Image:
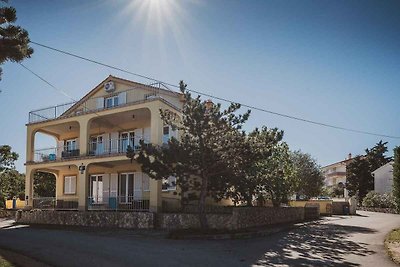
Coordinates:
253	150
7	165
396	177
279	175
14	40
308	174
12	184
206	153
359	179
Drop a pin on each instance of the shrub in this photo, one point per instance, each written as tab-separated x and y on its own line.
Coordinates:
376	200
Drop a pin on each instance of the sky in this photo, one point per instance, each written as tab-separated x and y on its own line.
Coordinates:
336	62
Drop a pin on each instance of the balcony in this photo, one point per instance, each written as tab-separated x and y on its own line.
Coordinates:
113	147
116	146
123	98
56	153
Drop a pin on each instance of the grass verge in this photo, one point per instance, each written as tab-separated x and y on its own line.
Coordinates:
392	245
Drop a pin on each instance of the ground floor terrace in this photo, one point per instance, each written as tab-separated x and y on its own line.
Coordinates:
109	183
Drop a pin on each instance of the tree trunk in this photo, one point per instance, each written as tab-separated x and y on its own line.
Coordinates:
202	203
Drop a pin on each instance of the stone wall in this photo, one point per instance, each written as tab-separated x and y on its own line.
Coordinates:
246	217
239	218
128	220
7	213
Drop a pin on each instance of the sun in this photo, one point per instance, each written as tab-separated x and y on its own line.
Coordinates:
157	15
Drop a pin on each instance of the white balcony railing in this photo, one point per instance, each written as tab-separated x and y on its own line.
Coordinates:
135	202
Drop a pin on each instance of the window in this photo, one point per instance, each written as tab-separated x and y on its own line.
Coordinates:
127	139
69	185
70	145
96	145
169	184
111	101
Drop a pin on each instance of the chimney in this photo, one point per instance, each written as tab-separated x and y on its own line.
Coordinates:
349	157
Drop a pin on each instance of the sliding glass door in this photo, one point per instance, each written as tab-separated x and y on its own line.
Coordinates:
126	187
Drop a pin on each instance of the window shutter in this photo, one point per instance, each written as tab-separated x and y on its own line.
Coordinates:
113	184
66	185
146	182
146	135
73	184
114	142
100	103
122	98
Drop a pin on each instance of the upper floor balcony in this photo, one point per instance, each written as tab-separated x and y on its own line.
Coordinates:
131	96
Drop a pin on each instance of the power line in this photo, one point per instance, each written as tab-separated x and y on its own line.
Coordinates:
217	97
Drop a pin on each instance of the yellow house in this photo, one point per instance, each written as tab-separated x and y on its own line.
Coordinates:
89	159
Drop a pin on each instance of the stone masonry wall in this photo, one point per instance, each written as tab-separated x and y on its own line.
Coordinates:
7	213
128	220
240	218
244	217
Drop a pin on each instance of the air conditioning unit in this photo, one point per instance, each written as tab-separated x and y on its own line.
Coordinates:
109	87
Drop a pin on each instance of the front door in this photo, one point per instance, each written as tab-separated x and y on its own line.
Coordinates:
96	189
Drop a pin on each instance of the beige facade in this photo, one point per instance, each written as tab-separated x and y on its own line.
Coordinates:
89	159
335	173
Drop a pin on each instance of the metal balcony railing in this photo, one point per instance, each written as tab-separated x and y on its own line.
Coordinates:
56	153
115	146
129	96
52	203
135	202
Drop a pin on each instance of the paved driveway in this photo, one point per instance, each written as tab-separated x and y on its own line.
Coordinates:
337	241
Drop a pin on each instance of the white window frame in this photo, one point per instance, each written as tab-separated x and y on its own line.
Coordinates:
169	187
68	186
114	101
70	144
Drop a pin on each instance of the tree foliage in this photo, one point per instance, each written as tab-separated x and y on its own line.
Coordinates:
14	40
9	177
359	179
44	184
253	151
309	176
396	176
206	153
279	177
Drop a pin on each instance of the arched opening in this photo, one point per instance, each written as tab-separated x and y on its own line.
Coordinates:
56	142
113	133
44	190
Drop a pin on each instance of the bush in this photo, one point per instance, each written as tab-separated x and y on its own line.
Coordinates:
376	200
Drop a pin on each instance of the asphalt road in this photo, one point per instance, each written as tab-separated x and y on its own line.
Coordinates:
336	241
